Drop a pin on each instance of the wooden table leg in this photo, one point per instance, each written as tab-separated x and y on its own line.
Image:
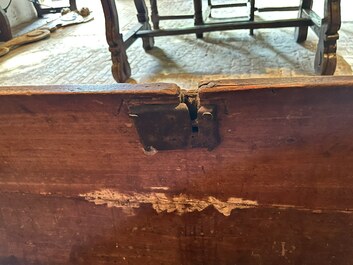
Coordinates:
252	13
142	16
154	14
121	68
5	29
198	20
325	58
301	33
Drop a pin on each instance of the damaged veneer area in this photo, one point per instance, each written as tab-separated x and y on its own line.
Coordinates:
161	202
182	203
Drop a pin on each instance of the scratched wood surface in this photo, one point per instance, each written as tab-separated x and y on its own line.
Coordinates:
76	186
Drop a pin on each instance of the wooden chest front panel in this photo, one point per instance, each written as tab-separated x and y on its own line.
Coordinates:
77	187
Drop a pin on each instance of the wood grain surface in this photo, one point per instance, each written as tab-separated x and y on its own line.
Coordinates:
76	186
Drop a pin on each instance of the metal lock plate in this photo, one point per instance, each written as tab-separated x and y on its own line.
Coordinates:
162	127
170	127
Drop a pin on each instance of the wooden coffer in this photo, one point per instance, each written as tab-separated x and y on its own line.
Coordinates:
236	172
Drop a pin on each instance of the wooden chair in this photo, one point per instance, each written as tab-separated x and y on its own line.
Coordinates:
326	29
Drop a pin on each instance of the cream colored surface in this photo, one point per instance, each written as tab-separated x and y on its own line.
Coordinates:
20	11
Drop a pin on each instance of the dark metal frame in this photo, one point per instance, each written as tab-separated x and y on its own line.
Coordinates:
326	29
51	10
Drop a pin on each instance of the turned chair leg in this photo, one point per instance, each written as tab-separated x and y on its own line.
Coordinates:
121	68
301	33
325	58
142	17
